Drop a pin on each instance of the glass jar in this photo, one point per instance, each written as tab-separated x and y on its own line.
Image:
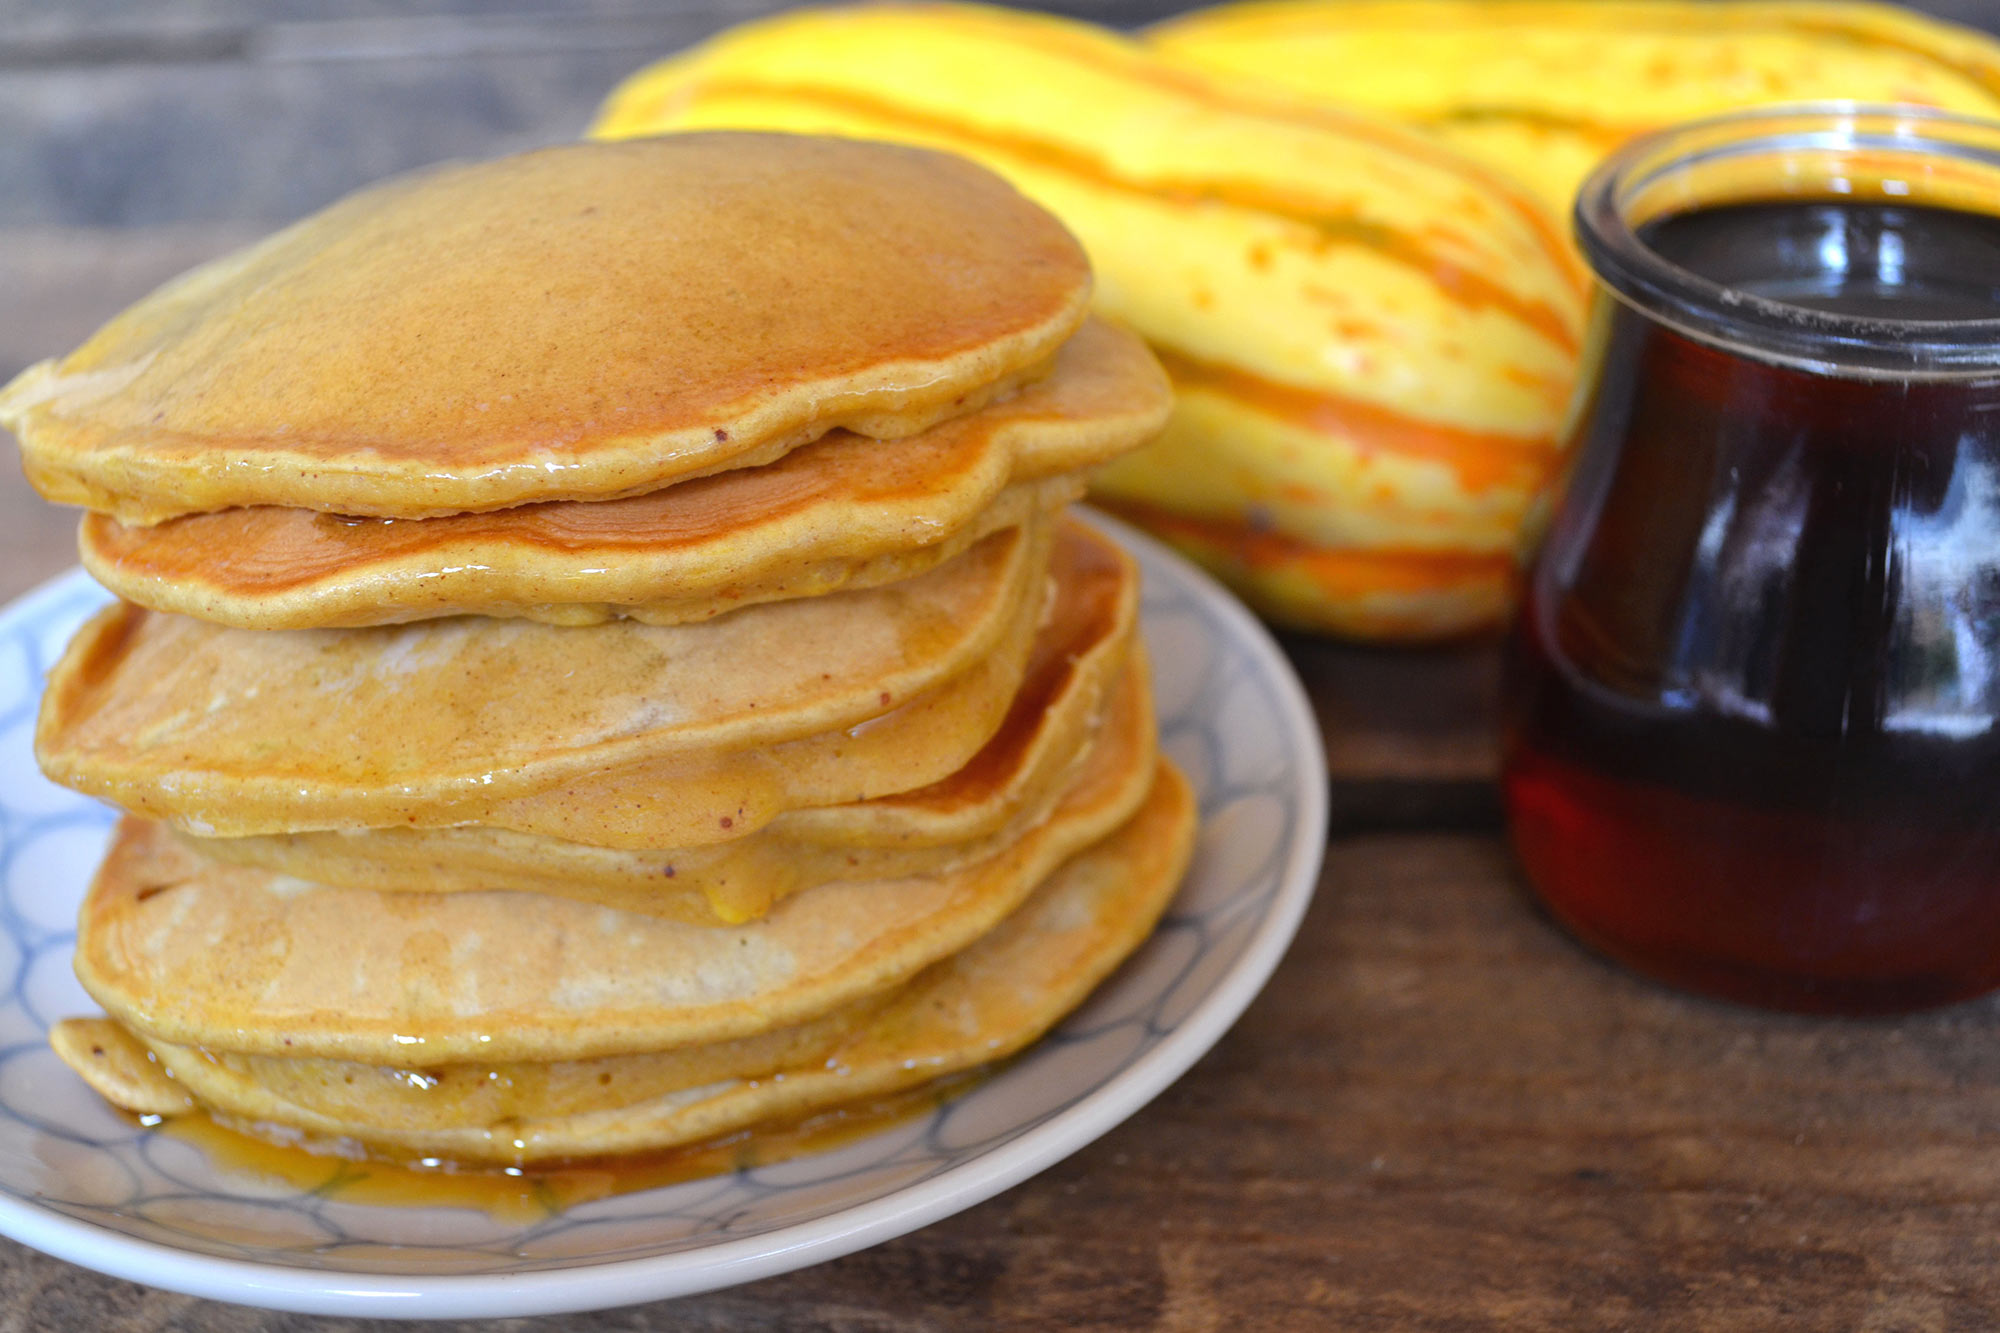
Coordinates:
1751	700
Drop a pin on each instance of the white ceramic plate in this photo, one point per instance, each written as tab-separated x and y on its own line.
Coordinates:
80	1182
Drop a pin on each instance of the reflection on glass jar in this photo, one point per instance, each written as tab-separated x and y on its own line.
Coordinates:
1751	744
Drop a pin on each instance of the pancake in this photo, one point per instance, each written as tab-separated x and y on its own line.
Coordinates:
842	512
192	952
680	804
1060	726
981	1004
233	731
581	322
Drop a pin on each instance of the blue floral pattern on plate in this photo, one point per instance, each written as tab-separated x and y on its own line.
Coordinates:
80	1181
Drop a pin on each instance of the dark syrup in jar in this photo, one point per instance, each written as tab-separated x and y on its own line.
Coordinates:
1751	744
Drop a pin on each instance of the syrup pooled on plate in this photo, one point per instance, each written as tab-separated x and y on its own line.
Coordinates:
528	1194
1750	747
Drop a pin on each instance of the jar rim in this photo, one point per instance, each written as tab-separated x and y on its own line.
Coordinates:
1764	327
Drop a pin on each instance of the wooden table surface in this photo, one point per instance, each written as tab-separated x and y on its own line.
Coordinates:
1442	1114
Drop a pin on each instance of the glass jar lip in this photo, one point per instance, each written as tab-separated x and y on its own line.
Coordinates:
1763	327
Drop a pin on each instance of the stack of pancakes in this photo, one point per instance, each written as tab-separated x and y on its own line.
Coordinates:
601	662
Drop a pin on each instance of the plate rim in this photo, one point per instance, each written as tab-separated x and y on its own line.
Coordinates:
623	1282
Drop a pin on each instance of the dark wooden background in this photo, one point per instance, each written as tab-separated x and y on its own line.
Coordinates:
1442	1115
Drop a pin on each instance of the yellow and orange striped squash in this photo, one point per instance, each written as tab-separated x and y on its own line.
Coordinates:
1372	339
1544	89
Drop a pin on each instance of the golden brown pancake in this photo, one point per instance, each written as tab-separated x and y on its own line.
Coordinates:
980	1004
189	951
842	512
1094	597
233	731
1059	728
582	322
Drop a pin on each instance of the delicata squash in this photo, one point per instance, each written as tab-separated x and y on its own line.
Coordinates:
1544	89
1371	338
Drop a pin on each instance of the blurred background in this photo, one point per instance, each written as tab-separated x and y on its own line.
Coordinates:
135	140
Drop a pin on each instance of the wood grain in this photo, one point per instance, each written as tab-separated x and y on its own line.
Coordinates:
1442	1114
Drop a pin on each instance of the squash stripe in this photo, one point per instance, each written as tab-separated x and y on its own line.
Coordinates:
1480	460
1134	63
1344	572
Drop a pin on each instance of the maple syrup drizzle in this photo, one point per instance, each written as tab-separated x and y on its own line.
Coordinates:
536	1191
